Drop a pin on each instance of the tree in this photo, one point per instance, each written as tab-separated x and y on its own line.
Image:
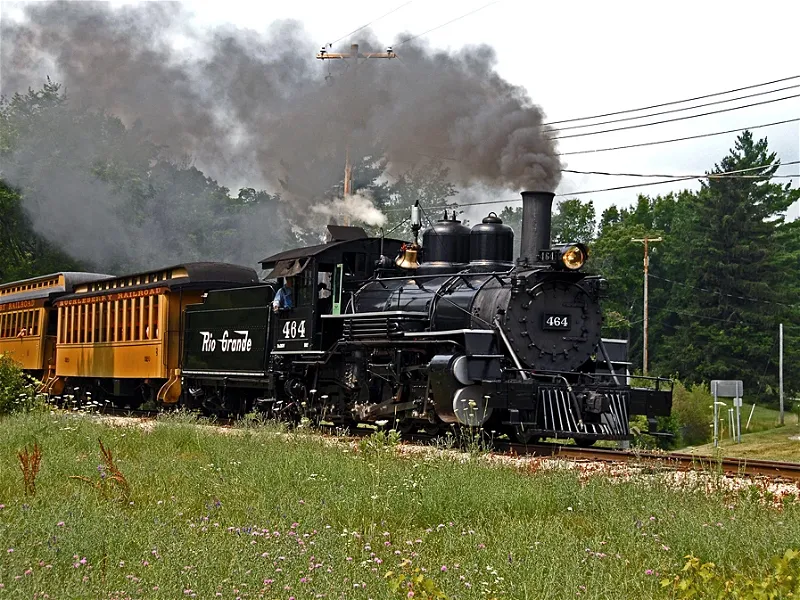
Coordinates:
738	276
573	221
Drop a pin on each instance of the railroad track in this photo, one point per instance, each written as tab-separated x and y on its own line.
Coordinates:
668	460
662	460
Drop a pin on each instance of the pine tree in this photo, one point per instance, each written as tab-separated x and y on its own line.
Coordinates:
736	284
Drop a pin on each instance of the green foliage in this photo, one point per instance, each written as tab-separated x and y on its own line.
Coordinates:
699	580
734	274
411	582
692	407
573	221
380	443
17	389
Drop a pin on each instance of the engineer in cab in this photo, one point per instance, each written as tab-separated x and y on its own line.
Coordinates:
283	297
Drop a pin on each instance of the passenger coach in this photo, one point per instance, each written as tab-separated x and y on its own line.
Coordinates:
28	321
120	338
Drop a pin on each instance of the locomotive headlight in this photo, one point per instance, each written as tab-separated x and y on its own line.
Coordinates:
574	256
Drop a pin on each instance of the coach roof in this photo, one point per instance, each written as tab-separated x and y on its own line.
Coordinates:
187	276
46	286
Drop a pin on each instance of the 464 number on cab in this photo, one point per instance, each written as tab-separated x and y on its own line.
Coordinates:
294	329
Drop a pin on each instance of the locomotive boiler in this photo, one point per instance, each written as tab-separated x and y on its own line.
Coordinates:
454	332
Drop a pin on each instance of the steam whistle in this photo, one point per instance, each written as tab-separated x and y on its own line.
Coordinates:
407	259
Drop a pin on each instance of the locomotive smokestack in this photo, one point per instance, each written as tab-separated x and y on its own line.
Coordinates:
537	210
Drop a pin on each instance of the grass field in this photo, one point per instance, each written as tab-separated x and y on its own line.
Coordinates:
781	443
255	514
764	418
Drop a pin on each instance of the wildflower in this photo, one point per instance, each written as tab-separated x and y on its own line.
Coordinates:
444	569
145	563
28	571
10	550
60	524
664	547
2	506
648	572
410	594
302	502
82	561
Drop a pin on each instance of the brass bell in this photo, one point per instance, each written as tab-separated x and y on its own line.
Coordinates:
407	259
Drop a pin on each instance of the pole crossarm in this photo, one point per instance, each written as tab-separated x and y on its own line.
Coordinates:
354	53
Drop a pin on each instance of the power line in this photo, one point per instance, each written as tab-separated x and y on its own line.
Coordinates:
370	23
621	112
571	194
675	110
719	293
680	139
472	12
723	175
705	114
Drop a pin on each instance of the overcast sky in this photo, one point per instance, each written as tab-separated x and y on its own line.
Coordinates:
583	58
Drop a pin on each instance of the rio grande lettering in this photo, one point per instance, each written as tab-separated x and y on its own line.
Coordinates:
227	343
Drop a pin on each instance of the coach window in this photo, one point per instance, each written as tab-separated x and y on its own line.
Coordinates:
117	322
126	318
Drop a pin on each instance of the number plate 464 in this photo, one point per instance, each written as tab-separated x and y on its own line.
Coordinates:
550	321
294	329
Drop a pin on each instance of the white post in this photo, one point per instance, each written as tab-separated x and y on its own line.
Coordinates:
780	366
716	418
752	410
738	403
730	424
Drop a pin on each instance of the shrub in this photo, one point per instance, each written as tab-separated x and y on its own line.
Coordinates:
705	580
692	407
17	390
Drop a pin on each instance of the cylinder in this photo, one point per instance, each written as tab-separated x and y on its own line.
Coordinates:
537	212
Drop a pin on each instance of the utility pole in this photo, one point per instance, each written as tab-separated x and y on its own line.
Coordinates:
780	367
646	240
323	54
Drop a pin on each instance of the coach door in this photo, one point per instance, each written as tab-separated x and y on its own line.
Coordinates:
294	328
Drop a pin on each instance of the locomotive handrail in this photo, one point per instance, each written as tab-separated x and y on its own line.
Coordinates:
595	375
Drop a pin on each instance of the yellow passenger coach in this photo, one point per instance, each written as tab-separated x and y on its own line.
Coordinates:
120	338
28	321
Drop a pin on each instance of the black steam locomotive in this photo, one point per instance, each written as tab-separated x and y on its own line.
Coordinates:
452	332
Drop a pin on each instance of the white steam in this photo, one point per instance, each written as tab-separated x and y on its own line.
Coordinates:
358	207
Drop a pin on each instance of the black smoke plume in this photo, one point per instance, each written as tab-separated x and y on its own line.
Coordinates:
255	108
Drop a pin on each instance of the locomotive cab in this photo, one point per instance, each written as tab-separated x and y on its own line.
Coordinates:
342	264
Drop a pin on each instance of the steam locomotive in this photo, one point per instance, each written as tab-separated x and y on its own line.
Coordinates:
449	332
